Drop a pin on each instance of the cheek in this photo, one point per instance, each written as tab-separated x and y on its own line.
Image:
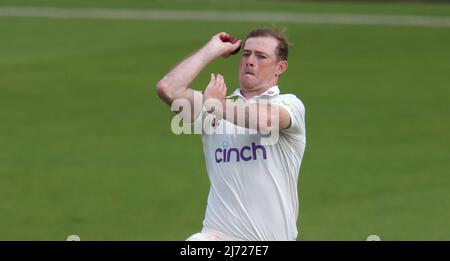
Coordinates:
241	63
266	67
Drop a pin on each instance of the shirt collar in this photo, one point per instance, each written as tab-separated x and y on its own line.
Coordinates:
272	91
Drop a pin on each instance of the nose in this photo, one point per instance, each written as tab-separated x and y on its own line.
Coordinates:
250	61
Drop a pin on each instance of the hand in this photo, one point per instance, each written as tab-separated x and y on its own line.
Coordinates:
214	94
219	47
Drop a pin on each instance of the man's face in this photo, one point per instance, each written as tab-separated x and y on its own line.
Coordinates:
258	64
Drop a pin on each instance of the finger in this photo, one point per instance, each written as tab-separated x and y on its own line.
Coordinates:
220	81
217	83
223	86
236	47
224	93
223	35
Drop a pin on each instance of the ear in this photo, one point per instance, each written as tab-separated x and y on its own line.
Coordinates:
281	67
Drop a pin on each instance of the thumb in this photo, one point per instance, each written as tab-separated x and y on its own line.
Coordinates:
213	79
236	47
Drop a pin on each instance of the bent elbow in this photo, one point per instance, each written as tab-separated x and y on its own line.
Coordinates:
163	91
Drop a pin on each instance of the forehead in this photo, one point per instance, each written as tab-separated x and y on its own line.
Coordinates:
265	44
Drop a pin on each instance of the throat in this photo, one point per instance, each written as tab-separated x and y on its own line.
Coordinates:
248	94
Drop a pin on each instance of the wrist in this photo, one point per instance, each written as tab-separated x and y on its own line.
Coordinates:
215	107
210	51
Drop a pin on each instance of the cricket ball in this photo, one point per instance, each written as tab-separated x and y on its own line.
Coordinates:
231	39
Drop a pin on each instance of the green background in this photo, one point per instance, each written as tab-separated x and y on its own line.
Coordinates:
86	146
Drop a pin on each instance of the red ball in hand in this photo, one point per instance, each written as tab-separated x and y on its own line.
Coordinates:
231	39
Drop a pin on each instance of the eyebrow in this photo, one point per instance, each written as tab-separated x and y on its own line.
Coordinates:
257	52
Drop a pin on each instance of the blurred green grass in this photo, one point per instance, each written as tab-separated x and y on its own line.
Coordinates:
352	6
86	146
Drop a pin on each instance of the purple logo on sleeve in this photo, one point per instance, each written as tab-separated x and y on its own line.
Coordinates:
245	153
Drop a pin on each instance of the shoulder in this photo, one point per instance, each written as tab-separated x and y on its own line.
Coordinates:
290	101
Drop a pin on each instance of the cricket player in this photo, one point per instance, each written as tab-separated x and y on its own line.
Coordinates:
253	194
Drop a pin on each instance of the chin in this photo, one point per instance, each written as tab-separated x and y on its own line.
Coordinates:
246	84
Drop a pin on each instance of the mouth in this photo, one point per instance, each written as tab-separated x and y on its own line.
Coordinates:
249	73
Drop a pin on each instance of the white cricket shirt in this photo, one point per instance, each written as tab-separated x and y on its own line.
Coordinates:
253	194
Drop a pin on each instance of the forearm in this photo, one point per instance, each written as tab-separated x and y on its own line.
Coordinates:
172	85
262	117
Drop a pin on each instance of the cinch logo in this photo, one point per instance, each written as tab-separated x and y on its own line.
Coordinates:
246	153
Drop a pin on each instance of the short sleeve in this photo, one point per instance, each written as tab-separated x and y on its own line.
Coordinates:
296	111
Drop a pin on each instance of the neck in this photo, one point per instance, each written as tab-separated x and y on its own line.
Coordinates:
248	94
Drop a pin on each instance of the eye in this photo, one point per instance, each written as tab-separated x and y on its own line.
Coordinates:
261	56
246	54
